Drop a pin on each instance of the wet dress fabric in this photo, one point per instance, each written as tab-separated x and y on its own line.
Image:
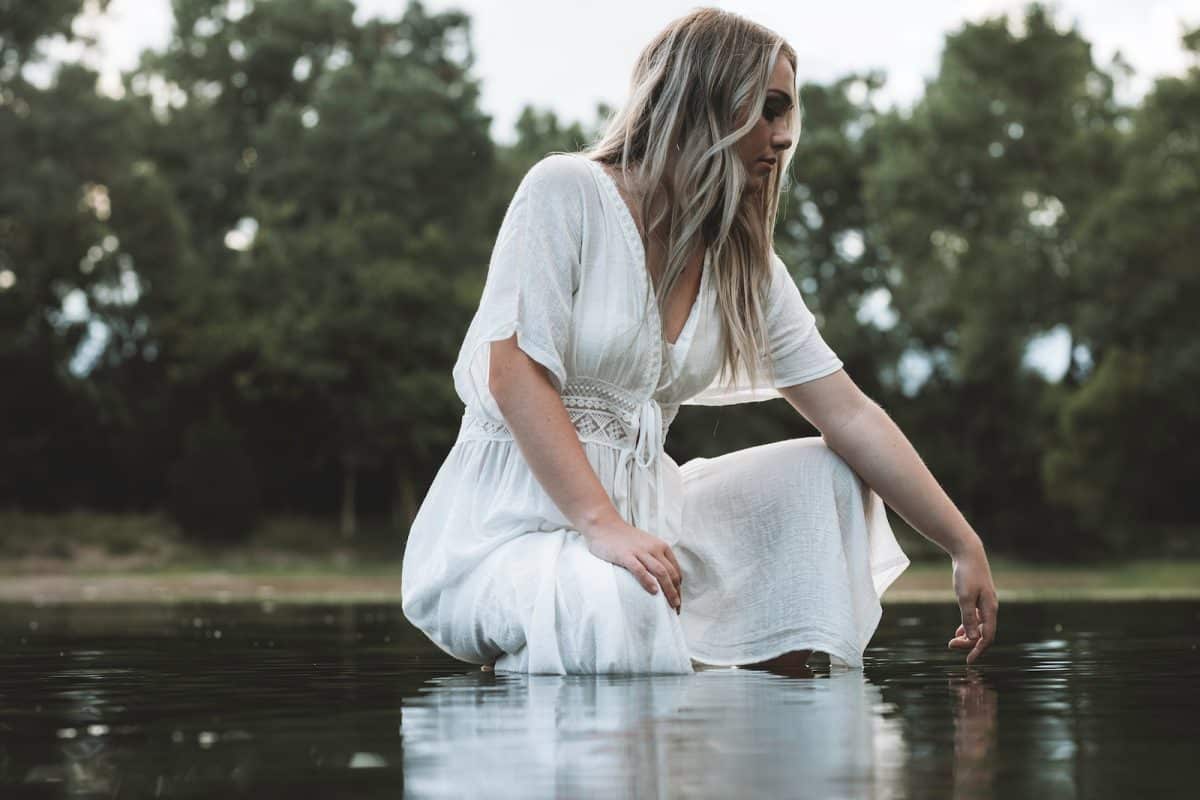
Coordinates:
782	546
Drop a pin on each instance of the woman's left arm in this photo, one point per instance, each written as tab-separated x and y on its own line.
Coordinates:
856	428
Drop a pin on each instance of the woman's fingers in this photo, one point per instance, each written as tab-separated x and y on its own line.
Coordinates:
991	610
987	627
985	638
665	579
661	571
670	557
960	640
648	581
966	605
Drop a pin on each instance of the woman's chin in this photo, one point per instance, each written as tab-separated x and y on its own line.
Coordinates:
756	183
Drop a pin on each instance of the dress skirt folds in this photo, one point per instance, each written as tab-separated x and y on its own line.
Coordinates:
782	546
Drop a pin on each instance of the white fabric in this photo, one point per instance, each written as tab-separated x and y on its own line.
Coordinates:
782	546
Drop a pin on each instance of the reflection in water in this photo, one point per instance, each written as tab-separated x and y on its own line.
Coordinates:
284	700
974	735
717	733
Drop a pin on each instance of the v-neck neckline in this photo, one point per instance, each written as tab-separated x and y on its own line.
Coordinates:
689	325
629	226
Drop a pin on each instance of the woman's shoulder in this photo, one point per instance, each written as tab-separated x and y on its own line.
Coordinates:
560	174
780	275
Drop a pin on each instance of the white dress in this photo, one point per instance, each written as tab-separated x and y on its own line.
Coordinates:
782	546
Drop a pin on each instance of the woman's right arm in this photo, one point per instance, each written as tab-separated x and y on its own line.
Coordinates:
542	428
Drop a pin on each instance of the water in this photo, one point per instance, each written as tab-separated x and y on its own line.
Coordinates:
1077	700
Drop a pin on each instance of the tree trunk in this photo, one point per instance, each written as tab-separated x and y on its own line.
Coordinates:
349	480
404	498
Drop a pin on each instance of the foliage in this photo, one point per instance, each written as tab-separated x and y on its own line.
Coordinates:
213	493
288	215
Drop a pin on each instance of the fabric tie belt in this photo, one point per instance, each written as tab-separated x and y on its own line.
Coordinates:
638	484
610	415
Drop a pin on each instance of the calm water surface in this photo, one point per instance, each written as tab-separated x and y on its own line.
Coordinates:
1076	700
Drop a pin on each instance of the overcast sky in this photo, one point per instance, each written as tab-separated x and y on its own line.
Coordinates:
569	55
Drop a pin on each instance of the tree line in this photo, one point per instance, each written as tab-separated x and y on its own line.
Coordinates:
237	286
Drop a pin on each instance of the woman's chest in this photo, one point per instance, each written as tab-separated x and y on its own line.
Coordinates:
617	333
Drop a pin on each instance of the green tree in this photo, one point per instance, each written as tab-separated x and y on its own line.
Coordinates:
330	171
1124	458
61	148
978	197
213	489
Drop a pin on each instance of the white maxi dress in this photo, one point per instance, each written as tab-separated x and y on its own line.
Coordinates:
782	546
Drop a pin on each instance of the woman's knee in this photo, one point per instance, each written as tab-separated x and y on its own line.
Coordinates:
813	453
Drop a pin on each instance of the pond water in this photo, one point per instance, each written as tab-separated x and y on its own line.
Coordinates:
1085	700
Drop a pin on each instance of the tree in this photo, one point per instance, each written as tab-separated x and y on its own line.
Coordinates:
978	197
354	154
61	147
1123	459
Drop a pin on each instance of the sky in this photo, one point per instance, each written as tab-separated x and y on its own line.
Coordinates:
568	56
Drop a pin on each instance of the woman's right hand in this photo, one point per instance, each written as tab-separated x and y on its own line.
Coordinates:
648	557
977	600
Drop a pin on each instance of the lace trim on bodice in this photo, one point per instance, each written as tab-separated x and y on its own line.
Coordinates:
601	412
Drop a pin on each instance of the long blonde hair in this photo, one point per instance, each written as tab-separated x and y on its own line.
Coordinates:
676	138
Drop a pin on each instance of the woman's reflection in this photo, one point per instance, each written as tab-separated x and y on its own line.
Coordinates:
716	733
974	735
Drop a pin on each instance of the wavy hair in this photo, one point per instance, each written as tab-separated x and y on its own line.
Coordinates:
695	91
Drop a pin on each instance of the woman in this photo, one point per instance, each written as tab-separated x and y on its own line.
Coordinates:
626	280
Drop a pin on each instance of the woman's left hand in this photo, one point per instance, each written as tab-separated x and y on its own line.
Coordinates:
976	599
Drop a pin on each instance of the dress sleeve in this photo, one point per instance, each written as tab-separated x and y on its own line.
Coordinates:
797	352
531	281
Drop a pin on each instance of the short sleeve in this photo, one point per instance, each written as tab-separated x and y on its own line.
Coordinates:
531	281
797	352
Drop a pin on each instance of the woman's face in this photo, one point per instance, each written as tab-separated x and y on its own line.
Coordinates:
770	134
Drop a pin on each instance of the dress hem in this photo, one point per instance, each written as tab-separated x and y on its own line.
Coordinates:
833	643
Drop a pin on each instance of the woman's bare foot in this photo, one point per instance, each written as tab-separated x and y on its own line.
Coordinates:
793	663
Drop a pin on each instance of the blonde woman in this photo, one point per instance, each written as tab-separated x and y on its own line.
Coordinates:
626	280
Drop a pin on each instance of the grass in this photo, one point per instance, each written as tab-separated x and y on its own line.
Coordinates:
91	543
1020	581
87	556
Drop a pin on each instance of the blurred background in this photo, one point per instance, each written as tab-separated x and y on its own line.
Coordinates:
240	243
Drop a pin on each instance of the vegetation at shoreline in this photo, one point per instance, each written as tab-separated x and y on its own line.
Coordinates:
362	581
83	542
86	556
